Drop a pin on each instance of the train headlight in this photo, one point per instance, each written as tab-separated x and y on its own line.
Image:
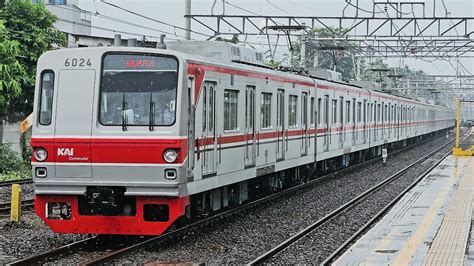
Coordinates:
170	156
40	154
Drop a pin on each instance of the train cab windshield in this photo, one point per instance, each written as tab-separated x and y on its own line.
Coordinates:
138	90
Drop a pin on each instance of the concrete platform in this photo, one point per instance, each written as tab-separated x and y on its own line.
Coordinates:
431	225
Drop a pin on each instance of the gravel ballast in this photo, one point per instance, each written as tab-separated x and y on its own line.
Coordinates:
30	236
241	239
238	239
319	244
27	192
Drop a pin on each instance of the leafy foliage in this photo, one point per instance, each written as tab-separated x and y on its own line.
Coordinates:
27	33
12	167
12	73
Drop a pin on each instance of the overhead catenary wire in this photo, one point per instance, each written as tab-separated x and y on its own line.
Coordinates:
112	30
99	15
155	20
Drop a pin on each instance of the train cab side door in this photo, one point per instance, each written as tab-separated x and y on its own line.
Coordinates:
73	125
191	126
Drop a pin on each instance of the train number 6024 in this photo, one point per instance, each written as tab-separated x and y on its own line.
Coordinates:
80	62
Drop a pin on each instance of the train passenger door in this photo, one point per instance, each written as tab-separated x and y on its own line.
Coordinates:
208	162
70	124
250	148
280	125
304	123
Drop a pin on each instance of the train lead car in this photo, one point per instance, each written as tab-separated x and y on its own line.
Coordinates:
128	140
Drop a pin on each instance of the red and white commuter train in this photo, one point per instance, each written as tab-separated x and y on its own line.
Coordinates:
127	140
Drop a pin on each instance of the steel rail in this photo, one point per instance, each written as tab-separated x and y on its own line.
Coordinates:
379	215
20	182
289	241
46	256
6	206
78	245
107	258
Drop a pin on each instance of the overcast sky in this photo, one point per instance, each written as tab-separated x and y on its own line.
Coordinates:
172	11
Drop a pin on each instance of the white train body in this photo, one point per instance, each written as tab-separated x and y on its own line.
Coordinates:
135	136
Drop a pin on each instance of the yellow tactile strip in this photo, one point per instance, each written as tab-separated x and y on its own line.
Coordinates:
450	243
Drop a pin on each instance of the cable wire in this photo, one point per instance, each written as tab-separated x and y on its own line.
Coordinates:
152	19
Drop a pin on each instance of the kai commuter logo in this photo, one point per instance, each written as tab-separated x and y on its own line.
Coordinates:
65	152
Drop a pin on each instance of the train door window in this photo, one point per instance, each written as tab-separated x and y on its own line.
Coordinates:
312	116
359	112
319	111
304	110
375	112
365	120
365	111
211	107
334	112
341	110
46	97
230	110
369	117
266	111
354	120
326	109
280	108
378	112
304	122
204	109
348	111
292	109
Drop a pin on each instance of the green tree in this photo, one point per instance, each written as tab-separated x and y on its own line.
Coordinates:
12	73
31	26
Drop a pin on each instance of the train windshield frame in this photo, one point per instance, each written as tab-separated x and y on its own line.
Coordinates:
138	90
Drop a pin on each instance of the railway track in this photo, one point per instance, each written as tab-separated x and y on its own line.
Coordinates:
25	204
267	256
53	255
20	182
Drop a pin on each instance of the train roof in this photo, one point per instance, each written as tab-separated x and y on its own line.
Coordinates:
238	64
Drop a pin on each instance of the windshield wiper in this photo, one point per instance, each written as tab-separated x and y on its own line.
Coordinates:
151	121
124	116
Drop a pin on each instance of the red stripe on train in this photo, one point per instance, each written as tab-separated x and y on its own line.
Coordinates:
95	150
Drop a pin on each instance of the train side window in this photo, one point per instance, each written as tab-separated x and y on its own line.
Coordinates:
230	110
46	97
312	116
266	111
334	112
292	110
